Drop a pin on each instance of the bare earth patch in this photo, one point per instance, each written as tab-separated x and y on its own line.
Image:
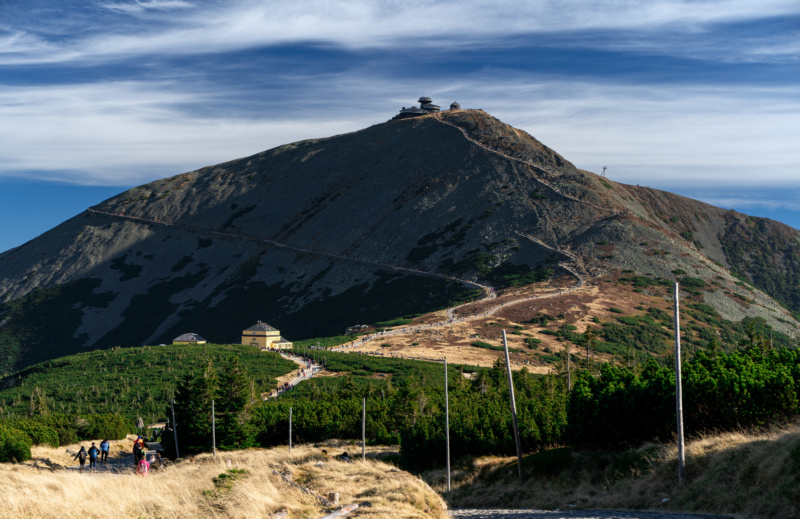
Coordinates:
512	311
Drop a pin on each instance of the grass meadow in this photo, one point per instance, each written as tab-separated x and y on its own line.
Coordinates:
239	484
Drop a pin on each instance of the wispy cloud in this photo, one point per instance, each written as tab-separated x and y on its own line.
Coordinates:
751	202
178	27
128	132
139	7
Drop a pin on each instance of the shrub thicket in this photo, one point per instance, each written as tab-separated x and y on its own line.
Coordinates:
15	445
721	392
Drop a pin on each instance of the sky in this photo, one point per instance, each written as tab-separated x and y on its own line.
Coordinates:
96	96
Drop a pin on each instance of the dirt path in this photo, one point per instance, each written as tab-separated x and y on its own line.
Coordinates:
453	319
578	514
525	162
306	371
487	290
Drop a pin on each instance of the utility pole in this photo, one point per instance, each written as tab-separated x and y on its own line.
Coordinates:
363	429
678	390
447	422
213	430
513	406
567	349
175	429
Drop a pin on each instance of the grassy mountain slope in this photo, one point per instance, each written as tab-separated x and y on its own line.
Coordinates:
319	235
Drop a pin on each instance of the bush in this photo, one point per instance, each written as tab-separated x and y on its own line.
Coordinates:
39	433
15	445
394	322
692	283
615	310
533	343
109	426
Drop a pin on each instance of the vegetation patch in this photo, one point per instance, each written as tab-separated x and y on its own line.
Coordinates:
33	321
131	382
129	271
394	322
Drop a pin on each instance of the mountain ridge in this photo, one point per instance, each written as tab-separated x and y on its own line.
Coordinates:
398	218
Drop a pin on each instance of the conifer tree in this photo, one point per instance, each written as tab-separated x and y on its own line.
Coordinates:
193	410
236	397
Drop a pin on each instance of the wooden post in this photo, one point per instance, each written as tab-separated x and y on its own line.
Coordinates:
213	430
568	349
447	423
363	428
513	406
175	429
290	429
678	389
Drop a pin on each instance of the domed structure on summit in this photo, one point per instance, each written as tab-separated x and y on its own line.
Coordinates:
426	106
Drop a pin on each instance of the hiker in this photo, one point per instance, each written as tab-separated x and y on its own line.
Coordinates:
81	457
93	453
104	448
143	467
138	450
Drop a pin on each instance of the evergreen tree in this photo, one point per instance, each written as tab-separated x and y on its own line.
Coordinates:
193	411
236	398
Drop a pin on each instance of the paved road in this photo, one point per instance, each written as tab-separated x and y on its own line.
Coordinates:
577	514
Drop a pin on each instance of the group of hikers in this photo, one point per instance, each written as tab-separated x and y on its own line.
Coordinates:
93	454
141	462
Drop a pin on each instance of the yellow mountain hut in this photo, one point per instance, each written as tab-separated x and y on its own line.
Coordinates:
265	337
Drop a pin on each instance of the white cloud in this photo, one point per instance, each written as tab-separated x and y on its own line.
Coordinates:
130	132
139	7
742	203
358	24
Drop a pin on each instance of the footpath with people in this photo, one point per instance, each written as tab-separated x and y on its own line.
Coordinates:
133	454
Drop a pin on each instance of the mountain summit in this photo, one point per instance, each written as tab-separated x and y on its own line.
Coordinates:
396	219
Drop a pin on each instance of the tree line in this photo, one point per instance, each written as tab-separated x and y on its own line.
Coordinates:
613	407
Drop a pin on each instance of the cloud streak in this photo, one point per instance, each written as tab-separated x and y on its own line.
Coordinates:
178	27
135	131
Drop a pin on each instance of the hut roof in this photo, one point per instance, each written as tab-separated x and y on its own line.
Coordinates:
189	337
261	327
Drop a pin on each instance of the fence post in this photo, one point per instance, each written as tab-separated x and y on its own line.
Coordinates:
363	428
290	429
513	406
679	390
175	429
447	422
213	430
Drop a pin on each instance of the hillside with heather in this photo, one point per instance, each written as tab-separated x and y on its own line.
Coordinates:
396	220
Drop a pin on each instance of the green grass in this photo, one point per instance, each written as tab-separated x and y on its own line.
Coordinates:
324	342
394	322
487	346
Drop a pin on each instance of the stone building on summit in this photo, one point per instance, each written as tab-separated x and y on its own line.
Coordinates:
426	106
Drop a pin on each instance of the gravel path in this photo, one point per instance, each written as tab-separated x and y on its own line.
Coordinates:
578	514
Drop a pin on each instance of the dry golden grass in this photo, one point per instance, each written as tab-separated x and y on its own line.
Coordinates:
733	473
188	489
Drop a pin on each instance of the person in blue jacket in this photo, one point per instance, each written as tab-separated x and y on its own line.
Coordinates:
94	452
104	448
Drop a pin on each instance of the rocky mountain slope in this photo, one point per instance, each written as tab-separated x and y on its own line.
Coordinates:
396	219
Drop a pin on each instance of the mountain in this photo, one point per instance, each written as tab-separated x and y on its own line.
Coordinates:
399	218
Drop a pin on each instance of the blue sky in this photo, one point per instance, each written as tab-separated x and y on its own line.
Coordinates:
696	97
